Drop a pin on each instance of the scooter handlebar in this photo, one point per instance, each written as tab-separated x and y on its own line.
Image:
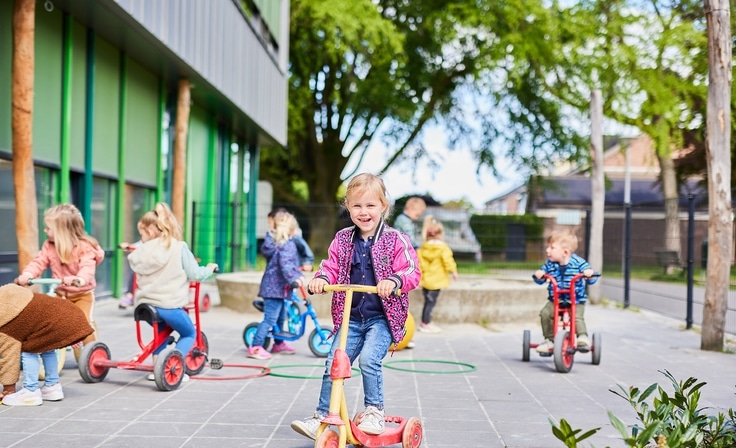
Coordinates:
359	288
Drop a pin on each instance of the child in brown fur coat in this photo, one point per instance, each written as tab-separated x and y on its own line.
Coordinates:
34	323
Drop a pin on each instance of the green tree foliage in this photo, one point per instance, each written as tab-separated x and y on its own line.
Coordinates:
362	69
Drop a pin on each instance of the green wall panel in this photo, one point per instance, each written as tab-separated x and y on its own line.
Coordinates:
106	105
6	60
141	147
47	86
79	81
197	156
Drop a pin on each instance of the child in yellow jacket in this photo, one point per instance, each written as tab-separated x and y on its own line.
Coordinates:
437	264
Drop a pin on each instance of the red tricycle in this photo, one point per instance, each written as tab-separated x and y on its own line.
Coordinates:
408	432
170	365
563	329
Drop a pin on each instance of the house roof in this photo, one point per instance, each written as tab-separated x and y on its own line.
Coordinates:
576	191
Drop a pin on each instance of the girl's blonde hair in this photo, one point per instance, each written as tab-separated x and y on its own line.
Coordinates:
366	182
67	225
284	227
164	221
432	229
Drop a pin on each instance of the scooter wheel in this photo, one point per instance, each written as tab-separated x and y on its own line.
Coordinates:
197	357
411	437
328	439
250	333
169	370
90	354
319	341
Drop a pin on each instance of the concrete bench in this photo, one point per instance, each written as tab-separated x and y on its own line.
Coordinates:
478	299
668	259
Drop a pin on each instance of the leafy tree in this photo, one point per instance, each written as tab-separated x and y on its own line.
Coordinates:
362	70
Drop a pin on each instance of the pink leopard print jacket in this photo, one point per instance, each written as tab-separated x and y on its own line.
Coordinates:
393	257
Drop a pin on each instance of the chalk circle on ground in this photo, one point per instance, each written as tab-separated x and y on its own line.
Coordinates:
467	368
355	370
263	372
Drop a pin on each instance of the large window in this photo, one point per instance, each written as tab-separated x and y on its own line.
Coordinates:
46	180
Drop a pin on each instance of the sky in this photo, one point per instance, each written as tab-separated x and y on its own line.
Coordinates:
455	179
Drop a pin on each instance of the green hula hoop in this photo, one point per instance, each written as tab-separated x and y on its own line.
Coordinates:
303	377
390	365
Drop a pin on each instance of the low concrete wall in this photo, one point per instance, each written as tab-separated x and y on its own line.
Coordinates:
476	299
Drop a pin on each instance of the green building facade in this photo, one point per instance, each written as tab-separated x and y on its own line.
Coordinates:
105	96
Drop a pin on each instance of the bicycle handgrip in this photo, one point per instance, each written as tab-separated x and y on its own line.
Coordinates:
44	281
359	288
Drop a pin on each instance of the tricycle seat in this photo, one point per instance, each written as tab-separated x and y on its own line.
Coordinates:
147	313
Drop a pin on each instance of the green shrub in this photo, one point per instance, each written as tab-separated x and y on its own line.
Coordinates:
668	421
491	230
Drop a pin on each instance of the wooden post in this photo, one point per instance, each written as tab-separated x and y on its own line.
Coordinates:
598	191
180	150
24	182
718	151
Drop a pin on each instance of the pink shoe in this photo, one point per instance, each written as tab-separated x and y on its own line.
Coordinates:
283	348
258	353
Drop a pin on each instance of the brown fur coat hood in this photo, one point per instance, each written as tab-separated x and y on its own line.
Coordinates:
35	323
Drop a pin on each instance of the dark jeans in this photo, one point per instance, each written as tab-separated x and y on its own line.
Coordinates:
430	300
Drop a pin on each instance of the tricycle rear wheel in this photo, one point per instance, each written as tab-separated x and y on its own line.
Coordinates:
595	350
525	345
91	353
168	371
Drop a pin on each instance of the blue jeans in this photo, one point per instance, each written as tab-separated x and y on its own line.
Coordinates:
370	340
178	319
272	315
31	367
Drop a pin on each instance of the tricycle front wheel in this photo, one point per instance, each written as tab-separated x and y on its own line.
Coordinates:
564	351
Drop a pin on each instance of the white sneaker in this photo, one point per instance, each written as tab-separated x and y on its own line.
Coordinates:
52	393
372	421
583	341
546	346
24	397
309	426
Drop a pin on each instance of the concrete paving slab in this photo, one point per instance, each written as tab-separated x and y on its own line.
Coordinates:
500	402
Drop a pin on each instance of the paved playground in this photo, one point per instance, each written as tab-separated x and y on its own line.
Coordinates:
498	401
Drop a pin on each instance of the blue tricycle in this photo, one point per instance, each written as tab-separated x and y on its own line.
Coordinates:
298	310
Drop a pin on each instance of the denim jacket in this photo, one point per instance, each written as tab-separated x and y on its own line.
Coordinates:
393	257
281	270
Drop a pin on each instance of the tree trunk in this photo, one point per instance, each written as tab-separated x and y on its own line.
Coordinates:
24	182
598	192
671	199
180	150
718	145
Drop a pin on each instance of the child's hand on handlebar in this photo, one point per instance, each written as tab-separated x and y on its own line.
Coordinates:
22	280
588	273
539	274
73	280
317	285
213	267
386	287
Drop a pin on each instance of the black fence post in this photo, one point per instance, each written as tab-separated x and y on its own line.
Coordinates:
627	254
587	234
690	258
